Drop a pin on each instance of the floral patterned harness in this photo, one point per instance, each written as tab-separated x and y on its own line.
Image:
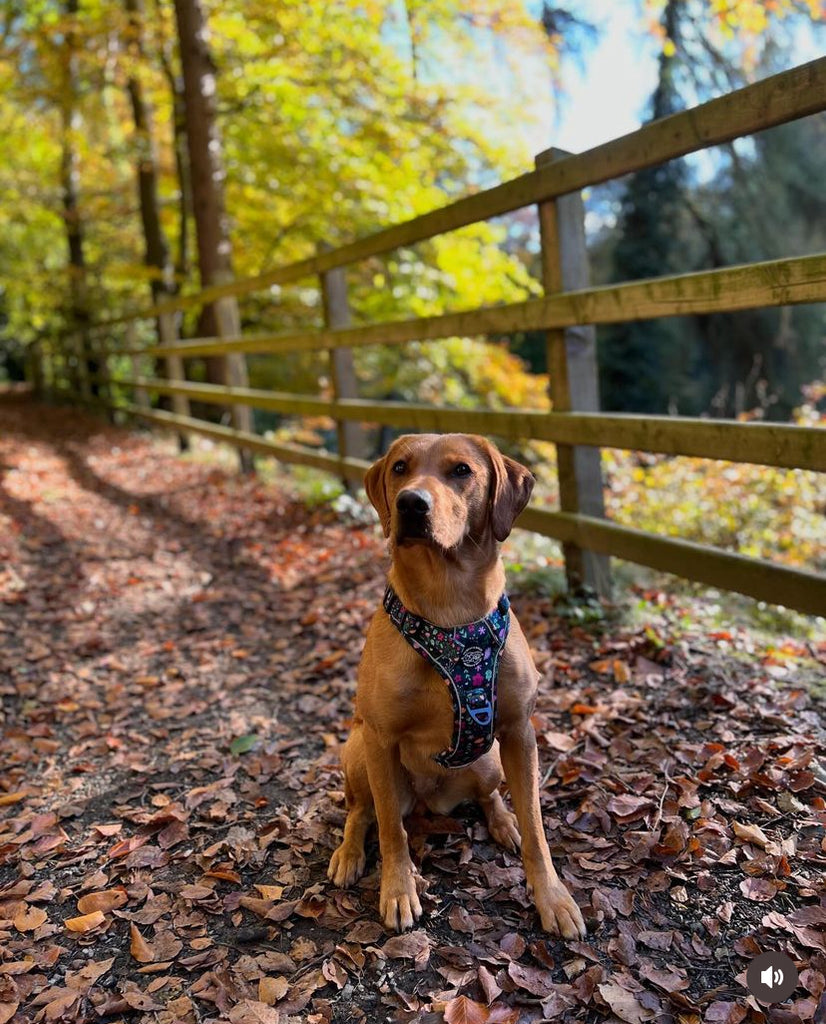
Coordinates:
467	657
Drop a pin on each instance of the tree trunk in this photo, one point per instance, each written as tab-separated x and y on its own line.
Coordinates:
207	176
84	372
156	255
179	146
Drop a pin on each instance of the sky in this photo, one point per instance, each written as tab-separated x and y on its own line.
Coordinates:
606	93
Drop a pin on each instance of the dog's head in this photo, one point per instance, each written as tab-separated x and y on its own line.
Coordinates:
440	489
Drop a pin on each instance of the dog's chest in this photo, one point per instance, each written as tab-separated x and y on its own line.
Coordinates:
423	708
416	706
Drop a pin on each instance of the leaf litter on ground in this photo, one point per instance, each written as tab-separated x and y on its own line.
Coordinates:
178	648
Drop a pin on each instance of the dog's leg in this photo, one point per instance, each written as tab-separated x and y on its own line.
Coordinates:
559	913
399	904
502	823
348	861
489	776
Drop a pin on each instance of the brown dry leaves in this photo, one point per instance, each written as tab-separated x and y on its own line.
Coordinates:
177	660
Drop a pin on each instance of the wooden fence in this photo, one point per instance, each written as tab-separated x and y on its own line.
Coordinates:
568	312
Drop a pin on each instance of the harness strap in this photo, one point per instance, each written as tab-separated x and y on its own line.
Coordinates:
467	658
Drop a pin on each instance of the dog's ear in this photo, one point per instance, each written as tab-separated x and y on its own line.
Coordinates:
510	490
377	493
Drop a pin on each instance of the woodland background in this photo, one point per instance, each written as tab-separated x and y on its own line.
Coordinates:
179	641
332	120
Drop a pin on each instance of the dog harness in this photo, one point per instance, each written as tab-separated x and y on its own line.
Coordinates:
467	657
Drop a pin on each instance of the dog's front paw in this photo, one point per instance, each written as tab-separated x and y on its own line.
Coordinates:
399	904
505	830
559	913
346	866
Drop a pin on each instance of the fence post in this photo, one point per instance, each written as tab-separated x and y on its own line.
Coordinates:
104	377
49	358
342	368
34	367
131	339
574	381
47	348
81	350
168	334
229	326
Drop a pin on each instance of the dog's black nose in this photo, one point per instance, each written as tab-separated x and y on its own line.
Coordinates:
413	502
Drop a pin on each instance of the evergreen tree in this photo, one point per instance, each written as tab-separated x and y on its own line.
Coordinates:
633	356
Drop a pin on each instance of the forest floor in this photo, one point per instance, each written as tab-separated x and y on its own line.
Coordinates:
178	647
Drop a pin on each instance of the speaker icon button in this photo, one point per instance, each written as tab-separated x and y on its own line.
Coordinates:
771	977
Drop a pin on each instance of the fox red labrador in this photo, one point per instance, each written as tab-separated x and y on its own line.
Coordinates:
446	684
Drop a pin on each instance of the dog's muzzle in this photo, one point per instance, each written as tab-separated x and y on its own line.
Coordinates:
414	507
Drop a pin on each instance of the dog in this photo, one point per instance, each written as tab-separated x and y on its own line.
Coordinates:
425	719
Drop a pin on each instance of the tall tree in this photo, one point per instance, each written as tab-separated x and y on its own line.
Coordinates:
156	248
85	367
157	254
164	46
633	355
207	175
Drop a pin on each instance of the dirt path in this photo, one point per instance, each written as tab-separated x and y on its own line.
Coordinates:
177	660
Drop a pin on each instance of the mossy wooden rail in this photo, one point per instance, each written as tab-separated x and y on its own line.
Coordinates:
793	94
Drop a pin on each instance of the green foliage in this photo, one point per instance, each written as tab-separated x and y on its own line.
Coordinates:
458	372
756	510
336	119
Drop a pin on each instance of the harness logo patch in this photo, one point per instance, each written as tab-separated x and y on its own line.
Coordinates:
472	657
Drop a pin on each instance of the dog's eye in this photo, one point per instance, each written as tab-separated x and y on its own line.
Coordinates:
400	466
461	469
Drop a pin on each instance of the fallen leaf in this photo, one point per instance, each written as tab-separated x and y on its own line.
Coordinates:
532	979
270	990
760	889
9	1000
559	741
622	673
724	1013
17	966
489	985
138	947
462	1010
61	1004
750	834
13	798
30	919
626	806
412	945
669	979
85	923
243	744
253	1011
108	899
83	979
625	1004
271	892
656	940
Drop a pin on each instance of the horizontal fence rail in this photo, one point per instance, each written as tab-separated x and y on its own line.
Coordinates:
783	282
567	304
775	584
765	444
762	580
